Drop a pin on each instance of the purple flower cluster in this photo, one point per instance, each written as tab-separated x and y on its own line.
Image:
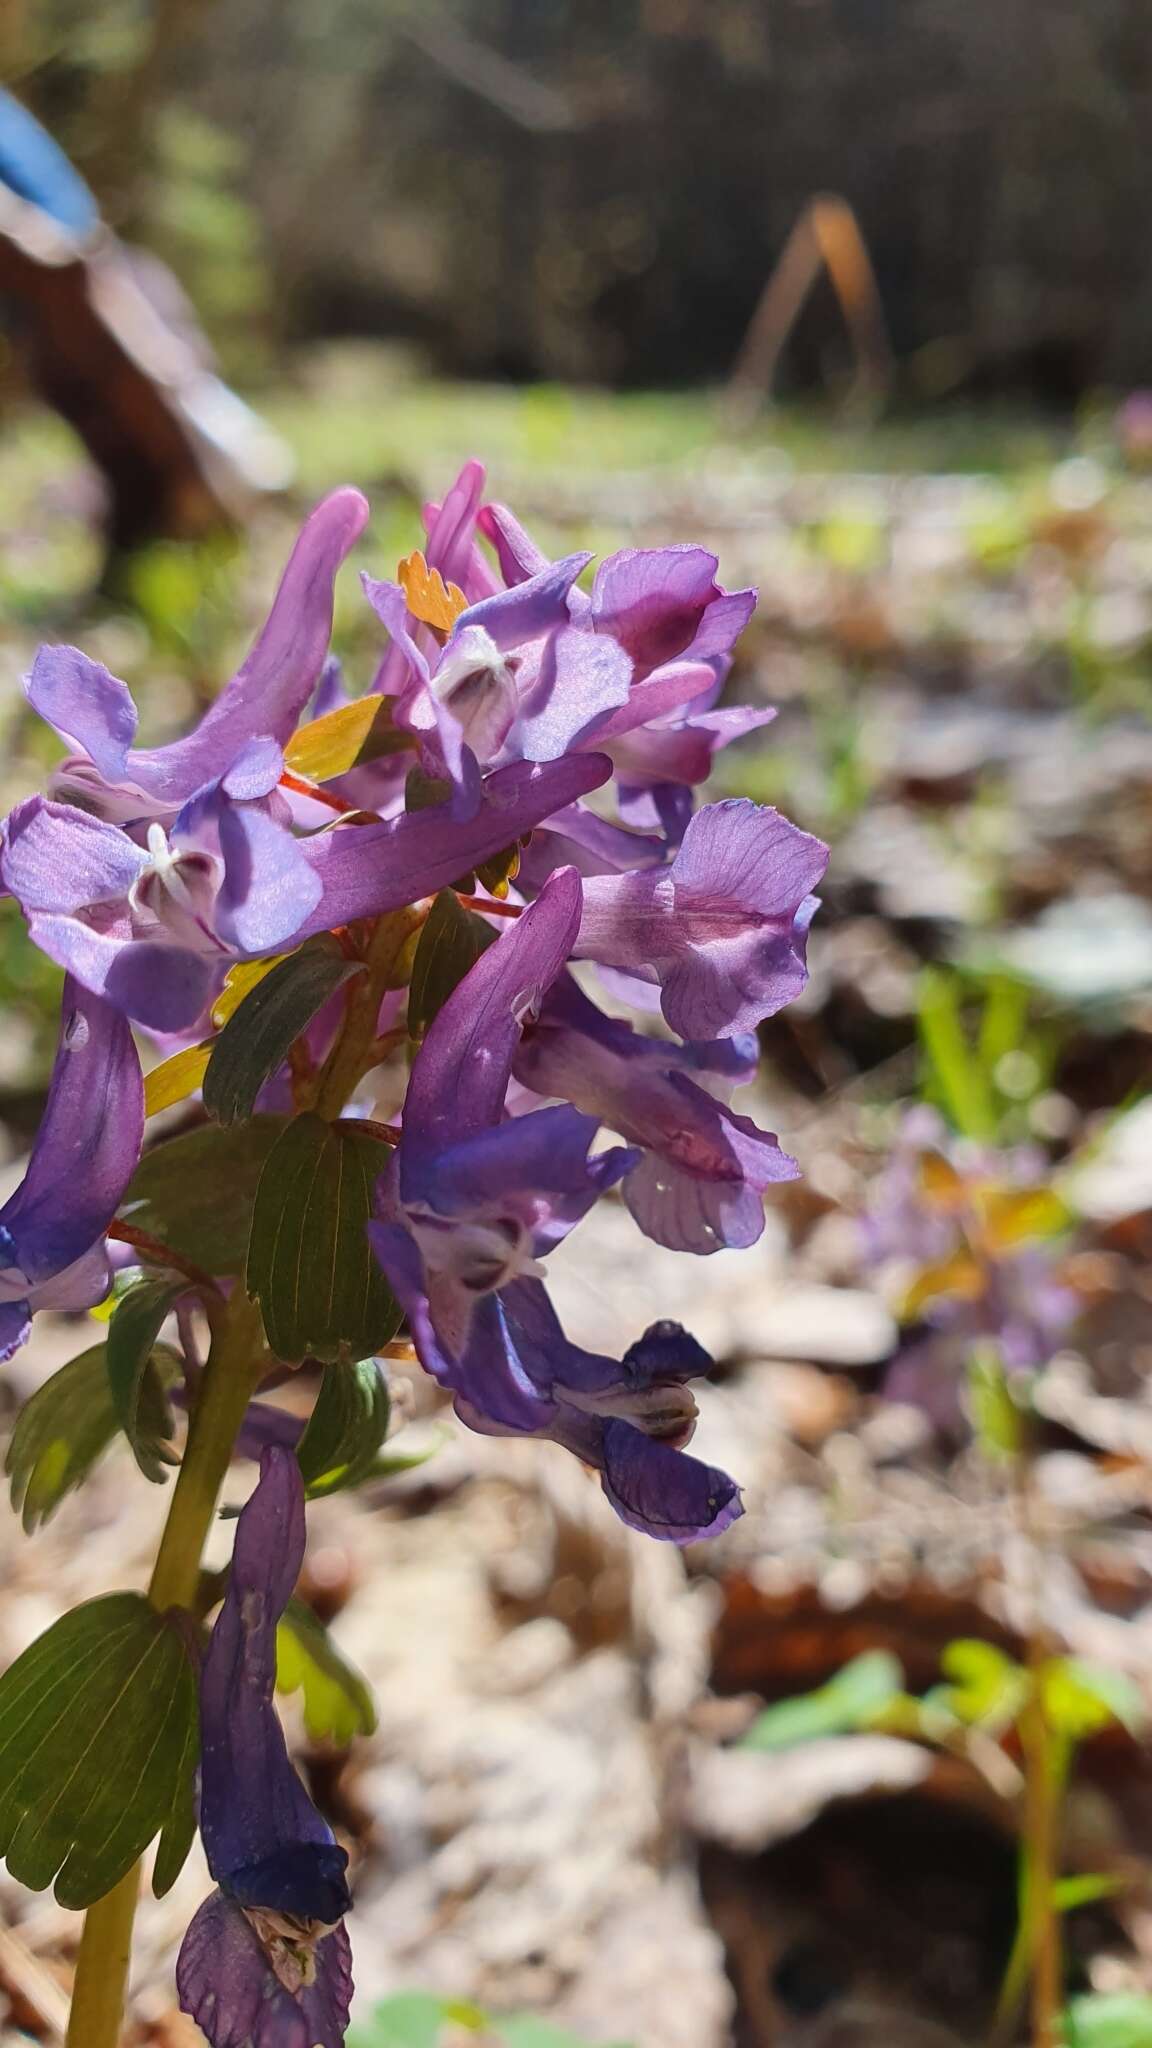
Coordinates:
148	873
512	696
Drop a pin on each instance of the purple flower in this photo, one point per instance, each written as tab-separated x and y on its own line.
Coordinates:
514	681
700	1180
238	741
629	1419
52	1251
164	864
722	929
265	1963
665	604
473	1199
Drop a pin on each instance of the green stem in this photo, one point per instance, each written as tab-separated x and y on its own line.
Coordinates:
234	1363
355	1050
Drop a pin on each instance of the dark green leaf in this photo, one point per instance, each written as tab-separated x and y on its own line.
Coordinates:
259	1035
451	942
338	1702
345	1429
195	1192
1110	2019
59	1434
309	1263
424	792
137	1376
94	1734
179	1830
500	870
853	1699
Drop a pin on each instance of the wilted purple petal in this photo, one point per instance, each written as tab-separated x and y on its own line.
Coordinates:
226	1983
266	1844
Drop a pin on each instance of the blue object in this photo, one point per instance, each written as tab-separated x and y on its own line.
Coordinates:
36	169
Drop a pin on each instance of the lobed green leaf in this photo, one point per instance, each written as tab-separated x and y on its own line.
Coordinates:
60	1433
97	1719
337	1701
138	1373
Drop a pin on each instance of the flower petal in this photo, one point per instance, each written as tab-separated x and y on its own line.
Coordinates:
88	1142
367	870
265	1842
226	1984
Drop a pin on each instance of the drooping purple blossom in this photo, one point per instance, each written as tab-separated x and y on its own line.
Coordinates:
52	1249
700	1180
265	1962
472	1201
722	929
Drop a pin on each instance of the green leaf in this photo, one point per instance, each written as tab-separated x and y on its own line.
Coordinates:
195	1192
1070	1892
851	1700
1110	2019
997	1417
954	1068
451	942
138	1374
60	1433
345	1429
94	1735
986	1686
1080	1698
338	1703
310	1266
258	1036
525	2030
409	2019
179	1830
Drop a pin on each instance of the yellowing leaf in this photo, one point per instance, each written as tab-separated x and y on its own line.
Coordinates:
940	1181
427	595
240	982
333	744
958	1275
1012	1215
175	1078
